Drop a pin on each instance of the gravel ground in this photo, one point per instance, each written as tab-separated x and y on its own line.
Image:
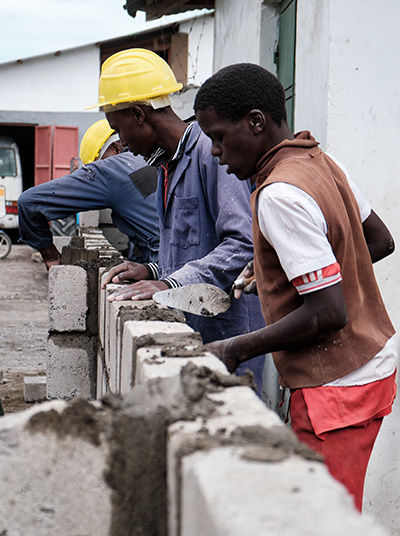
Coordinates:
23	324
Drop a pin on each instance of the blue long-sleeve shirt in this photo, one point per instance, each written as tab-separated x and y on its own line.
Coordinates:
206	237
123	183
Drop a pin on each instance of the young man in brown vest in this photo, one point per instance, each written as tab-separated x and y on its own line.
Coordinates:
315	239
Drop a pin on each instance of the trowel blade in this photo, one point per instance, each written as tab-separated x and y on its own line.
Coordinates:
199	299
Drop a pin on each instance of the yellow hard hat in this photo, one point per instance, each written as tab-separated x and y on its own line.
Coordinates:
134	75
93	140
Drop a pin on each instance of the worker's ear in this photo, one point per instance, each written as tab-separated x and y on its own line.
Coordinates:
256	120
138	113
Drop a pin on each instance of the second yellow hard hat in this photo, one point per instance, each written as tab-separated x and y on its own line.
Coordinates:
93	140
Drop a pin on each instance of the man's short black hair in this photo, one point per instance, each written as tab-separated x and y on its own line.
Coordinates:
235	90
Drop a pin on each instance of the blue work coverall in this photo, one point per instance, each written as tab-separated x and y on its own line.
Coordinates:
206	237
123	183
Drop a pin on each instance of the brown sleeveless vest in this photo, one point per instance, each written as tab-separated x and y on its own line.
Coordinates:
300	162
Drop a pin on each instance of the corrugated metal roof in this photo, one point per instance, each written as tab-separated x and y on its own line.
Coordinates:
157	8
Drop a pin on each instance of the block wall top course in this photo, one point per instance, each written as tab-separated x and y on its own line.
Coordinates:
151	364
274	498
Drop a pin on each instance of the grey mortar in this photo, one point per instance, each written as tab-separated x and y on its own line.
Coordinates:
136	430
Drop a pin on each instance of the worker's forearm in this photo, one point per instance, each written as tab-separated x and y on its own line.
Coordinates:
50	253
33	225
292	331
322	313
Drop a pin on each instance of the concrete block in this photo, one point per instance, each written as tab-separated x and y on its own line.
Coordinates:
115	344
157	333
250	488
89	219
52	472
225	492
235	407
61	241
71	366
109	331
79	255
34	388
118	240
105	216
67	298
151	364
119	313
102	308
90	232
113	315
102	383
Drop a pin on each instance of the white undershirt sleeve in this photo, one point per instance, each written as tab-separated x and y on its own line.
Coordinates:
291	221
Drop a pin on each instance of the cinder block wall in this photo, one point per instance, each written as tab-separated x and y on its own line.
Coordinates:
173	445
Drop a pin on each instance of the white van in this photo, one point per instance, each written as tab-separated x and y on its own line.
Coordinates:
10	183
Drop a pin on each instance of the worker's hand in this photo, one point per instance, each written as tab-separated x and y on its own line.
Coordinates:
223	350
142	290
127	271
54	262
51	256
246	282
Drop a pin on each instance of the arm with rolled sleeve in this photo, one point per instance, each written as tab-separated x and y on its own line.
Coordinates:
111	183
82	190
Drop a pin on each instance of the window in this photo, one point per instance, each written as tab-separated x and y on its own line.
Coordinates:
8	163
285	59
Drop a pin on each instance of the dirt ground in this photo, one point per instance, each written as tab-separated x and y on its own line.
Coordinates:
23	324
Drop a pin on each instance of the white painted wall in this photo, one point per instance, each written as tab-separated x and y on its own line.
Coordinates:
347	93
312	62
237	32
269	34
201	47
64	83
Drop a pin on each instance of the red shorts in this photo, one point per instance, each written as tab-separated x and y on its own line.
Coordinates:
346	451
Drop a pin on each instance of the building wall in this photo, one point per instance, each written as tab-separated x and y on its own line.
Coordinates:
312	72
64	83
347	92
237	32
200	48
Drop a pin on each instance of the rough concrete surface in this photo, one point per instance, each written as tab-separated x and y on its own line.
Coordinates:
140	425
224	494
71	366
23	323
67	298
35	388
52	471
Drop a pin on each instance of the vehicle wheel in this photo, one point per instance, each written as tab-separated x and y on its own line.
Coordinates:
5	245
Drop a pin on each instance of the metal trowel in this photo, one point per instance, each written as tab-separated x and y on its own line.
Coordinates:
199	299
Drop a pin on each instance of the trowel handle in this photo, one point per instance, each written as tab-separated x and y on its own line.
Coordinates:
242	282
